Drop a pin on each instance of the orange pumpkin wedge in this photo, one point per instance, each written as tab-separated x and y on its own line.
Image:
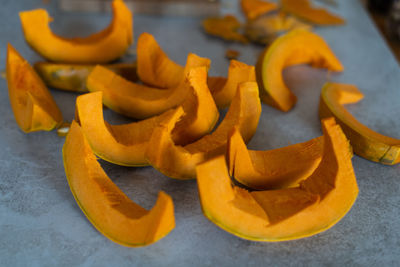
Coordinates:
136	100
224	90
276	168
304	10
72	77
315	205
105	205
33	106
180	161
107	45
255	8
156	69
120	144
296	47
126	144
366	142
154	66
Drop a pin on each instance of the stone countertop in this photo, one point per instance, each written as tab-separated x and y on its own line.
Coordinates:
41	224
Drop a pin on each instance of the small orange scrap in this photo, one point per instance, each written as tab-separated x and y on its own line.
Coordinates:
255	8
225	27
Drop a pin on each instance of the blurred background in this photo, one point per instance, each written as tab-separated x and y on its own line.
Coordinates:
386	14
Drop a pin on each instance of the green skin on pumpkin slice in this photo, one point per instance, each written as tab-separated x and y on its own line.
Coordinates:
365	142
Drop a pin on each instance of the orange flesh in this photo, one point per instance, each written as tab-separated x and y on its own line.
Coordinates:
304	10
105	46
105	205
297	47
277	168
180	161
366	142
283	214
154	66
33	106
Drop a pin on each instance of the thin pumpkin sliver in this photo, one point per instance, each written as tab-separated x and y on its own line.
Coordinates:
304	10
33	106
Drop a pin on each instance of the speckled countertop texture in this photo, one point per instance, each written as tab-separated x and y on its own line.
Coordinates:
41	225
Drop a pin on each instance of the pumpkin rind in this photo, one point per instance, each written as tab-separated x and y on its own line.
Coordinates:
33	106
304	10
283	214
107	45
105	205
277	168
365	142
296	47
180	161
72	77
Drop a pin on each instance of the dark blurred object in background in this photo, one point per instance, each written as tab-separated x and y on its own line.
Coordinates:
393	20
381	6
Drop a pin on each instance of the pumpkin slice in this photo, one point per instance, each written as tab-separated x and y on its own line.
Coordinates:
296	47
255	8
107	45
283	214
72	77
226	27
180	161
304	10
156	69
120	144
33	106
154	66
366	142
224	90
126	144
137	100
105	205
276	168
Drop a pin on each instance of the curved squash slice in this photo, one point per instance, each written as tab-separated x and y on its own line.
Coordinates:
296	47
180	161
105	205
72	77
102	47
238	73
255	8
304	10
283	214
137	100
366	143
276	168
33	106
156	69
126	144
120	144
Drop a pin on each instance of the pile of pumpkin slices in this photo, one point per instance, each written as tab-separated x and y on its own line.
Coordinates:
280	194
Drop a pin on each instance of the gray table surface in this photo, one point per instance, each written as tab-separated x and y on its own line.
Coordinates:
41	225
